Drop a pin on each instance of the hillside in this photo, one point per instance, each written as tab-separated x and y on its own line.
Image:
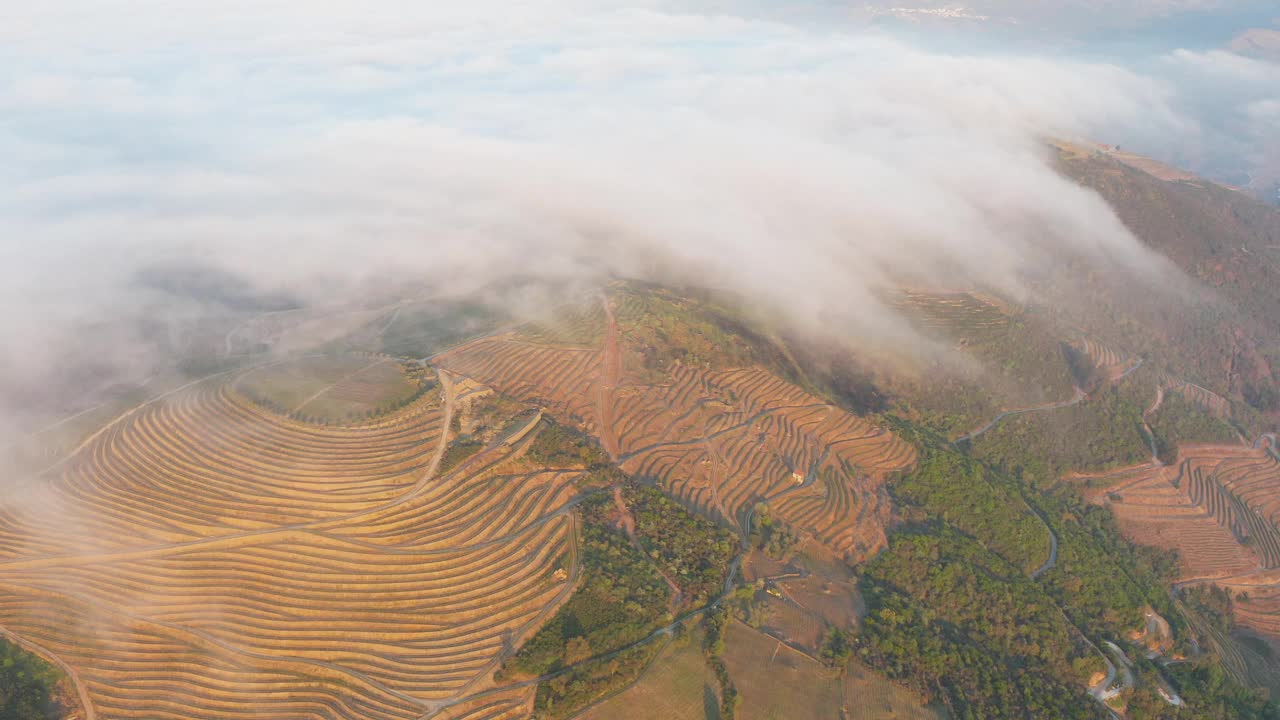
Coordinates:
1228	338
430	508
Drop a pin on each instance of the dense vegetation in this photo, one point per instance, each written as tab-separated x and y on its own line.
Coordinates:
1262	397
27	685
590	681
1100	580
1209	693
1179	421
1211	604
713	650
665	329
953	611
837	647
690	549
621	600
961	492
593	644
771	534
560	446
459	451
1102	432
958	622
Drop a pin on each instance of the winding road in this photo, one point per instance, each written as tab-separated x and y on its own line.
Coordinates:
1075	399
1128	372
1053	547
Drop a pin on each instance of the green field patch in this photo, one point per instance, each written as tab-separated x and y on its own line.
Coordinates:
343	388
779	683
678	686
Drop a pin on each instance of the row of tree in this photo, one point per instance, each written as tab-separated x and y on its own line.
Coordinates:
954	612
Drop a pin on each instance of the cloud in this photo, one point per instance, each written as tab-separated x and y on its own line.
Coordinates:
1238	139
320	147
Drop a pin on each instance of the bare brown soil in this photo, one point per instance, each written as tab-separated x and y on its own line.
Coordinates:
212	559
1219	507
719	440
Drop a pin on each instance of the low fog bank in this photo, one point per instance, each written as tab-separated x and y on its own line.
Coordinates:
323	155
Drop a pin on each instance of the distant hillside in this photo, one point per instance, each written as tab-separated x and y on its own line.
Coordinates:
1228	338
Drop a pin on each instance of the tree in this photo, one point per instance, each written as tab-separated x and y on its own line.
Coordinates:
577	650
837	648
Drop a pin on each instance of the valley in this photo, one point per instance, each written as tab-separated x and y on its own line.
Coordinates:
438	513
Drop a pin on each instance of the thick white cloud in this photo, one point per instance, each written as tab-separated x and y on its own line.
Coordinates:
318	145
1232	97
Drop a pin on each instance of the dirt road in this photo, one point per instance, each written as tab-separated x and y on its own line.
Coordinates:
1074	400
610	374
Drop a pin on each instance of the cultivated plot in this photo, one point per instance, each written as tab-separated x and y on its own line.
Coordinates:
720	440
203	557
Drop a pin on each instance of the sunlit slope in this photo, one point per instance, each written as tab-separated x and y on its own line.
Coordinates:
1218	506
720	439
212	559
1220	331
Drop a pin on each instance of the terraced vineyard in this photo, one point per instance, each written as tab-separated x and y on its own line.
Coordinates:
1205	399
720	440
970	317
1219	507
1261	611
213	559
1153	511
1109	362
249	545
1233	487
230	550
